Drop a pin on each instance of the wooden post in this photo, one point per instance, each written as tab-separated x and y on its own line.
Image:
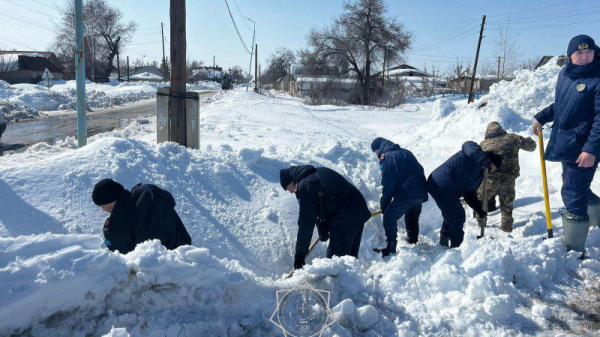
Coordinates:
383	73
163	45
94	59
471	92
499	68
80	75
118	64
256	68
177	117
127	68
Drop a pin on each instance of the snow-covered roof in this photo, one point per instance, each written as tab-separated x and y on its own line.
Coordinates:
146	76
325	78
406	72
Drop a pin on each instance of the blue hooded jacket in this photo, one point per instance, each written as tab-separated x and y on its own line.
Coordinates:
402	175
575	113
463	172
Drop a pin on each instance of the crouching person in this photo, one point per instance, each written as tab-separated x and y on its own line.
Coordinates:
404	190
330	202
460	176
146	212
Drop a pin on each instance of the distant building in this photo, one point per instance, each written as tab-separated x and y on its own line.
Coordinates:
561	61
28	66
206	74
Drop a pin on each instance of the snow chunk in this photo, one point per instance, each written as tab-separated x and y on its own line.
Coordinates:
366	317
250	156
541	310
344	313
442	108
117	332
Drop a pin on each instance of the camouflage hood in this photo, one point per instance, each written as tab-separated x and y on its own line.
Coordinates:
494	129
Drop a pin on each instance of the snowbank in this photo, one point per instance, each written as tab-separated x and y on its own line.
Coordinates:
243	227
28	100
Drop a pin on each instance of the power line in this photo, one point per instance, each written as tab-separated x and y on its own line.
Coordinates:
534	9
459	37
550	26
22	45
31	9
55	8
140	44
30	24
458	32
242	15
550	17
236	29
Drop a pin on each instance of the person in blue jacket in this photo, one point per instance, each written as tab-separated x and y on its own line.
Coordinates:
404	190
460	176
575	113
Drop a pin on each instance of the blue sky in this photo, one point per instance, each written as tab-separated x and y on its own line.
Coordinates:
443	30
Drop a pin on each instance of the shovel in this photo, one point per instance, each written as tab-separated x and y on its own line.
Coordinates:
314	244
484	205
545	184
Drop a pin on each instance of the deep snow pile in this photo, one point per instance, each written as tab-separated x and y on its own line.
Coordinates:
60	281
28	100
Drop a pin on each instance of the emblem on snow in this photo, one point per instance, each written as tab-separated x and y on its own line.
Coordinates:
302	311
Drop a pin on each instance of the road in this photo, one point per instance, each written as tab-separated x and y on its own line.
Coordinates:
24	133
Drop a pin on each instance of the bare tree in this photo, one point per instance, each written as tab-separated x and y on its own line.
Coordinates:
530	63
459	78
278	64
358	39
428	83
7	62
105	31
507	49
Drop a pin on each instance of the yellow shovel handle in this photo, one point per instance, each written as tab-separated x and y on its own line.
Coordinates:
545	184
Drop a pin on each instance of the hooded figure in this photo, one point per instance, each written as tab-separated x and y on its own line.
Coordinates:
404	190
460	176
330	202
575	136
502	182
146	212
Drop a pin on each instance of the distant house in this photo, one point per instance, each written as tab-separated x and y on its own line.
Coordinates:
482	83
147	73
304	79
28	66
413	78
206	74
283	83
561	61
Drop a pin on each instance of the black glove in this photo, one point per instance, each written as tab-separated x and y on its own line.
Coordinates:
299	261
323	230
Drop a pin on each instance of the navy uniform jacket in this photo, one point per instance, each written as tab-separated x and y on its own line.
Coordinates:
343	204
575	113
463	172
145	213
401	174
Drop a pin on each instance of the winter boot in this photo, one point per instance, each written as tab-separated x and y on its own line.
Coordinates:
594	209
576	229
444	240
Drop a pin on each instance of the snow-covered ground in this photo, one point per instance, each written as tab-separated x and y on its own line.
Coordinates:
31	100
57	280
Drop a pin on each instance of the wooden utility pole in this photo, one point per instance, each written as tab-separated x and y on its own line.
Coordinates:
499	68
163	44
471	92
177	116
383	73
127	68
80	75
256	68
118	64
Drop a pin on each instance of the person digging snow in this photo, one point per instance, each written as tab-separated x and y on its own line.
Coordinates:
146	212
460	176
575	137
404	191
501	183
330	202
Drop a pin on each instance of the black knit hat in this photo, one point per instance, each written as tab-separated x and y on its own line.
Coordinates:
107	191
580	42
285	177
376	144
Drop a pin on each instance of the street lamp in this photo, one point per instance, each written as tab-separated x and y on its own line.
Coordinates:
251	53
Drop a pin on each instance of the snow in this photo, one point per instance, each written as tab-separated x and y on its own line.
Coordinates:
31	100
146	76
57	279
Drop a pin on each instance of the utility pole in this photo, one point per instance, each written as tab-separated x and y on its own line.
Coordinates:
177	115
256	68
94	59
80	75
127	68
499	68
214	63
251	53
383	73
471	93
163	45
118	64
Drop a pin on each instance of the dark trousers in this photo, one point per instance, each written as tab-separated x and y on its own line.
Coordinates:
344	237
576	187
452	212
411	210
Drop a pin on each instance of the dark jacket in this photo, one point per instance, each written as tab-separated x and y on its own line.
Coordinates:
575	113
145	213
463	172
341	200
401	174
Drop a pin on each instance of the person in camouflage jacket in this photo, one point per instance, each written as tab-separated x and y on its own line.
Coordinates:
502	182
